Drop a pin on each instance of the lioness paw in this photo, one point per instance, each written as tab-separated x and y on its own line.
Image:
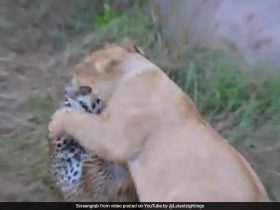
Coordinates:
56	126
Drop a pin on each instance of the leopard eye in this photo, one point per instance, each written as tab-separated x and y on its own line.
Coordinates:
85	90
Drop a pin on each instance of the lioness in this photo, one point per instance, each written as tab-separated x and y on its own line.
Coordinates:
151	125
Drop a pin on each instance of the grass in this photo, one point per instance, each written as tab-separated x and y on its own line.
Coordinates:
241	107
107	15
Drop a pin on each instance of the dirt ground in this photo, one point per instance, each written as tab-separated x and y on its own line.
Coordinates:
34	59
21	149
32	79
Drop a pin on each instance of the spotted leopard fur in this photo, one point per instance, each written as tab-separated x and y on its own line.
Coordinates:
81	175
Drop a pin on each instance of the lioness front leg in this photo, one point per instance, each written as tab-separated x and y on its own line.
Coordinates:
111	136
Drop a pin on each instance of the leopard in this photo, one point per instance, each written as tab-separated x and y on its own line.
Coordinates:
80	175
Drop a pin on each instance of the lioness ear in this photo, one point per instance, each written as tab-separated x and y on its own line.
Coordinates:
130	46
108	68
139	50
112	66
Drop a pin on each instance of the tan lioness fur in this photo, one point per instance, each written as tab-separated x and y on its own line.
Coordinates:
153	126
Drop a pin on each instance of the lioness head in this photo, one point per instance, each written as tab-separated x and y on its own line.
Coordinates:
99	74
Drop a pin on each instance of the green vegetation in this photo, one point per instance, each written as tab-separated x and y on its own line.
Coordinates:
106	16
